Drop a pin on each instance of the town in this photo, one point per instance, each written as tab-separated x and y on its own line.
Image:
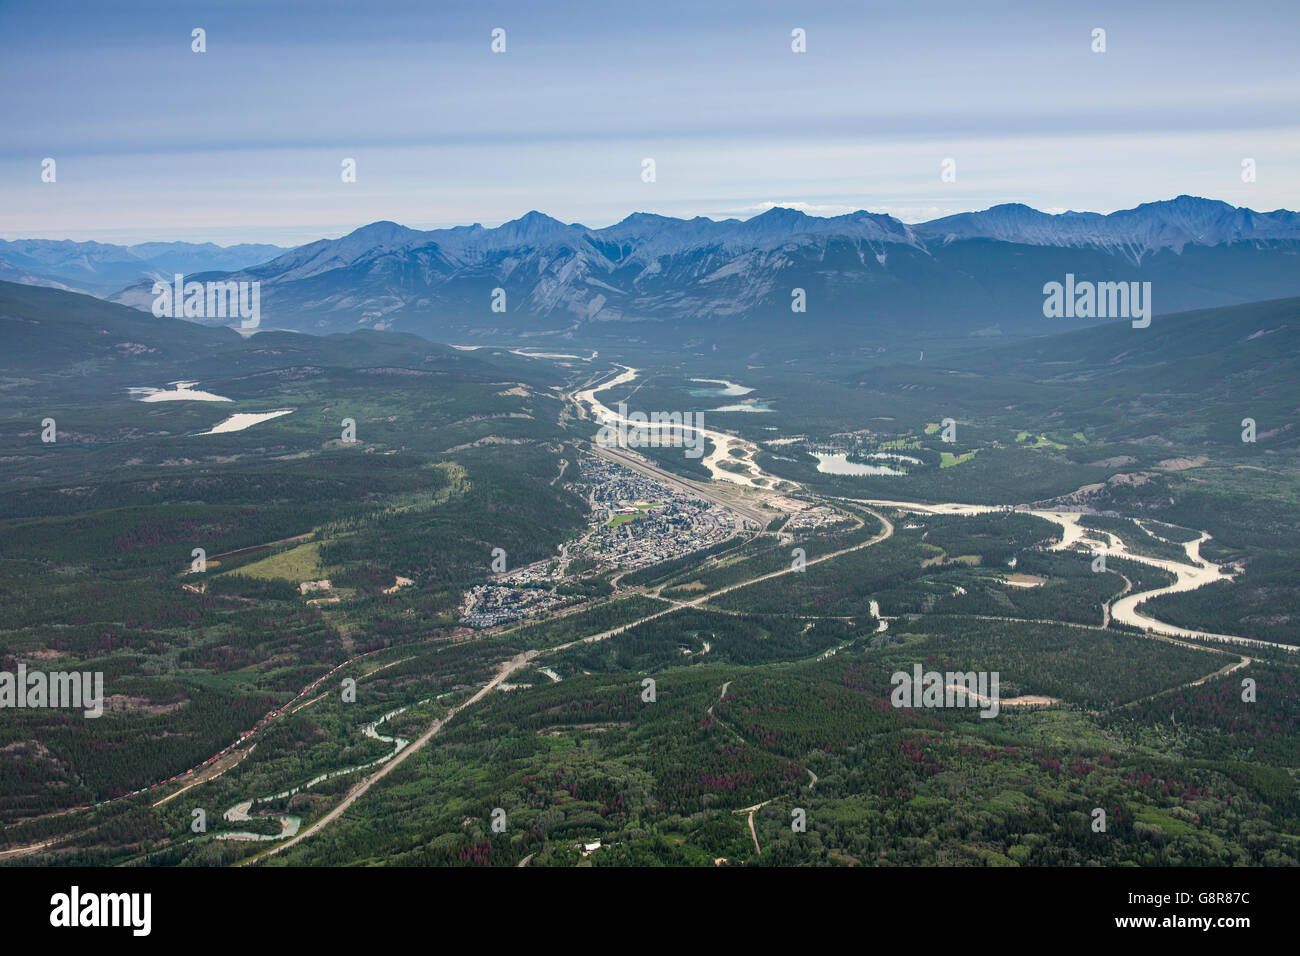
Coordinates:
635	521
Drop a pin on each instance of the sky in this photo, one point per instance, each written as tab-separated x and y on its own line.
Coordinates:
245	142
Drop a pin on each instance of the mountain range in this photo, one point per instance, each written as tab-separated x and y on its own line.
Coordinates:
979	273
100	268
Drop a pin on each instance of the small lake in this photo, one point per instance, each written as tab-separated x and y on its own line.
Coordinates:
182	392
840	465
237	423
728	389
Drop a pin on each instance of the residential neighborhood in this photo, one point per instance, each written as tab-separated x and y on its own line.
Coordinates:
636	521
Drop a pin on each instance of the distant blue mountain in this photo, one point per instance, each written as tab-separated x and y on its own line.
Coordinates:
102	268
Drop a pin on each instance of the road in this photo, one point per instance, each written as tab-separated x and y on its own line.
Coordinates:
752	831
677	605
506	669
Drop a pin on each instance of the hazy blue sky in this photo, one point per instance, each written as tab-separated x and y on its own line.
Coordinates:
244	142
